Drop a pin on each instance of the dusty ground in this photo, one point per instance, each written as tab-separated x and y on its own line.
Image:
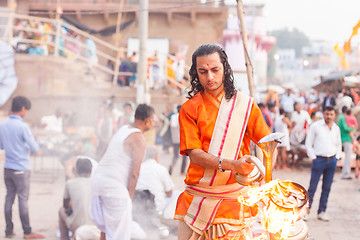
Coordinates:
47	184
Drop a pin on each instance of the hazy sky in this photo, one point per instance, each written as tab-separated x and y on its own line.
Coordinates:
330	20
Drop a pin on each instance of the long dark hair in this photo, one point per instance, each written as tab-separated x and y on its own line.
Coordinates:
205	50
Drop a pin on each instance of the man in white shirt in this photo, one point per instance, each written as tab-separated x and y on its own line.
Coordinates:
53	122
175	139
300	116
156	178
323	144
287	102
301	121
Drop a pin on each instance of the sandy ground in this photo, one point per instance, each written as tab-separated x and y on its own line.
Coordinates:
47	184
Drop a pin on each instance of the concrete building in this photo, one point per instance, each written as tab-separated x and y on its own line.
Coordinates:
317	60
183	22
259	43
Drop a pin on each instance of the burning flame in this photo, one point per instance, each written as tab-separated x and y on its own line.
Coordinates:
279	203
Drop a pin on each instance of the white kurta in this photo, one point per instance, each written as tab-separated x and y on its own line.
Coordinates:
111	205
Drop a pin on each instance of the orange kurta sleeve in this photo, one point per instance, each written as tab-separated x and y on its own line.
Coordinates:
189	132
197	119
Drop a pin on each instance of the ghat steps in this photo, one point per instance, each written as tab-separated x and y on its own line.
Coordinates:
59	83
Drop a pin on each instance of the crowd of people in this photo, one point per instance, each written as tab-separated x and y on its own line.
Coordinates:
44	32
293	114
160	72
203	129
82	173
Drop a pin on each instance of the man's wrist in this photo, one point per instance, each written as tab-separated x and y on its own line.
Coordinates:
220	165
228	165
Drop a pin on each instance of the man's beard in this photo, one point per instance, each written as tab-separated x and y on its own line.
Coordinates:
327	121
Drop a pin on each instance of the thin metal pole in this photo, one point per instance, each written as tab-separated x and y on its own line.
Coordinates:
58	29
142	88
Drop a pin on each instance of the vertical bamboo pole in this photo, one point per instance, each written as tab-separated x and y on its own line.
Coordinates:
249	68
117	42
249	72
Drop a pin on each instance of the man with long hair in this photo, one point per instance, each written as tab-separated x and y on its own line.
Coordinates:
216	126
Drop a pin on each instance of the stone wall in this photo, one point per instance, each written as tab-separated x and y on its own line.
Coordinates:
56	83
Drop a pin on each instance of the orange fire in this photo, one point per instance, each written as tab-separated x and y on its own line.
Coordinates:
280	207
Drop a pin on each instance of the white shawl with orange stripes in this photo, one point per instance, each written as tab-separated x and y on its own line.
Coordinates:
226	140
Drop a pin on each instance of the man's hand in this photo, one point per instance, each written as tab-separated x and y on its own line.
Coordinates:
40	152
242	166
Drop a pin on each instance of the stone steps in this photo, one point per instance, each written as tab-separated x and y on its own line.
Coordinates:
56	83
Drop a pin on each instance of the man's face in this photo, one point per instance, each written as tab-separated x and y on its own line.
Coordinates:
211	73
297	107
329	116
149	122
128	109
23	112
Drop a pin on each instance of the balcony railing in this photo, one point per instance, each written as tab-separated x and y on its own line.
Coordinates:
113	5
164	2
54	37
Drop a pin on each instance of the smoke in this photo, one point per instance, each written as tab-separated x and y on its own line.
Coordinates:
150	220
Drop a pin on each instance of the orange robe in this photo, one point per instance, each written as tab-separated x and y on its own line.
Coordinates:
197	119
